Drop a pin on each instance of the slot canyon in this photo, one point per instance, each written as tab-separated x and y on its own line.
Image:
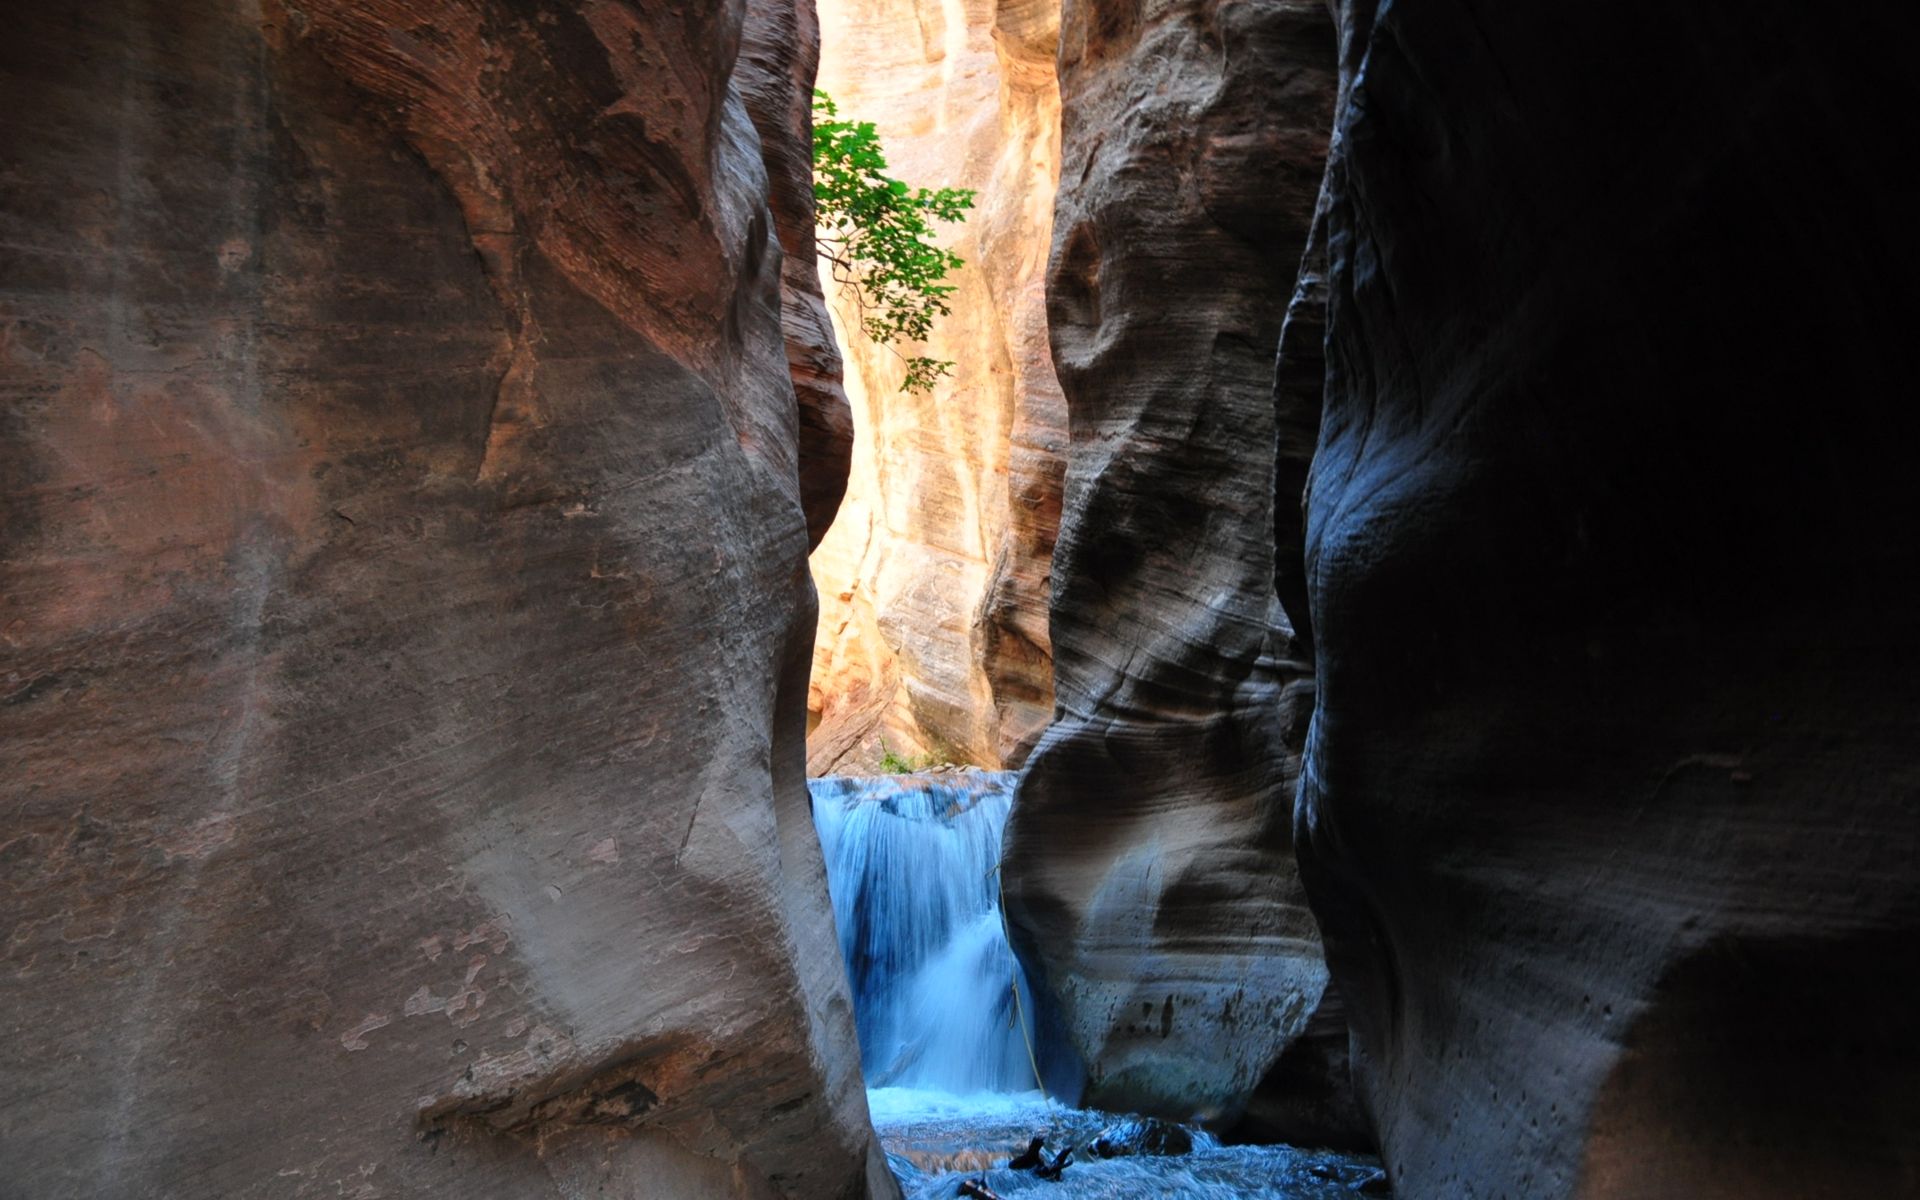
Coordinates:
1389	663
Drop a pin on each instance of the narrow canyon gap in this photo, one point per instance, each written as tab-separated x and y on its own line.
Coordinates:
1149	874
934	579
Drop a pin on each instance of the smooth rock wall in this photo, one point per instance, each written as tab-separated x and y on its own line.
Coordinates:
1149	863
1609	812
934	580
404	614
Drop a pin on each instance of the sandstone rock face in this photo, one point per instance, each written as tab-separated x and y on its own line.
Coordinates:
780	55
1609	807
1306	1098
404	614
1149	864
934	581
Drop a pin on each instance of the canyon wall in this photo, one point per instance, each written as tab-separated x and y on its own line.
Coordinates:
1609	808
780	56
405	617
1149	864
934	580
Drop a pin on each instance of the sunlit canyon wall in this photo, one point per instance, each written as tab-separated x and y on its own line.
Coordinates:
934	579
404	610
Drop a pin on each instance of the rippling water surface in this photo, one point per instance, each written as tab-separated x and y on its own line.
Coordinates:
935	1141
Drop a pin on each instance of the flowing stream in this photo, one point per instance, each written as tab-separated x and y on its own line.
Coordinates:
945	1017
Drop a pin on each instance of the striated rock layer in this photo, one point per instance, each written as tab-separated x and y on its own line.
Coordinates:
404	613
1149	865
1609	811
934	580
780	52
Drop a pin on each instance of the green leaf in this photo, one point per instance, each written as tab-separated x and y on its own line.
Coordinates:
878	235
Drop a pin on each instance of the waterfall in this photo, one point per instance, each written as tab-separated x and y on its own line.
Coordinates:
911	866
912	869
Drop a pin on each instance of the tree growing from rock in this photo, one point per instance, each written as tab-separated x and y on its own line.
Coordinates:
877	234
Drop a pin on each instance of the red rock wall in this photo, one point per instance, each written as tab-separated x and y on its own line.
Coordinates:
1149	868
1609	809
404	613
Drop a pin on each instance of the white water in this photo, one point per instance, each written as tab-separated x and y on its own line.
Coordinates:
912	866
935	1141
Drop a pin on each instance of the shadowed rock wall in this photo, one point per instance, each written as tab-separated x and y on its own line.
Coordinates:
1149	866
934	580
1609	811
404	612
780	54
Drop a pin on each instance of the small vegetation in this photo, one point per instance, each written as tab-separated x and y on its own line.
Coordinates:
907	764
877	233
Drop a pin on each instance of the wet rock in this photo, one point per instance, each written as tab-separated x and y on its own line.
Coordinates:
1054	1169
934	581
1148	1136
1608	813
1029	1158
404	615
1149	866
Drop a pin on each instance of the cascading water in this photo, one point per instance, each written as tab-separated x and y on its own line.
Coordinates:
941	1006
913	869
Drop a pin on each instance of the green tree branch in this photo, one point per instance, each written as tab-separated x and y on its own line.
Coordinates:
877	234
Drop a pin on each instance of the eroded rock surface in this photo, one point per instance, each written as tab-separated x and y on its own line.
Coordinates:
934	580
780	55
404	613
1609	808
1149	866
